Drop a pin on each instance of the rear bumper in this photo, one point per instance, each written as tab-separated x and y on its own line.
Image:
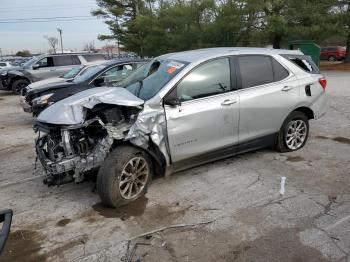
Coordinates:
320	105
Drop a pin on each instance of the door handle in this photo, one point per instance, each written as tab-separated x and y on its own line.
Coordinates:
287	88
228	102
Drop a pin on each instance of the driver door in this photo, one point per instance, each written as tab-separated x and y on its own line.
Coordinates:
207	119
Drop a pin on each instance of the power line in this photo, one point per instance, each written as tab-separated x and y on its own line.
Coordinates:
44	9
47	21
41	6
43	18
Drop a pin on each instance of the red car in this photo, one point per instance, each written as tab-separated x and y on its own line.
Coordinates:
333	53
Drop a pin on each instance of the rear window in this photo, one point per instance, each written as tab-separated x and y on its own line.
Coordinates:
303	62
94	57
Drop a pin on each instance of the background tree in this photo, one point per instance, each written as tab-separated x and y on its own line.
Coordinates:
53	41
24	53
89	47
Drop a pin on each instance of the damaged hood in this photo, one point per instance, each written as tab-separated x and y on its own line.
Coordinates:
72	110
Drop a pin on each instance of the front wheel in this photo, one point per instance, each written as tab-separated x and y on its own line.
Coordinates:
19	84
124	176
293	133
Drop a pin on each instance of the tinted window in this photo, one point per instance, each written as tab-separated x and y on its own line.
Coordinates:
255	70
209	79
75	60
73	72
64	60
279	72
2	64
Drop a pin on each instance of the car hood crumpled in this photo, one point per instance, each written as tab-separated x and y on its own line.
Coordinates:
72	110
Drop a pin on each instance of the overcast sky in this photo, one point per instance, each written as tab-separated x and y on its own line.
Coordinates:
20	36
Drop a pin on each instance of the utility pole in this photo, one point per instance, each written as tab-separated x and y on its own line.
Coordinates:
60	31
0	54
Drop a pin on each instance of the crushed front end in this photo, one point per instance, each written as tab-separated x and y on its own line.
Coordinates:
68	152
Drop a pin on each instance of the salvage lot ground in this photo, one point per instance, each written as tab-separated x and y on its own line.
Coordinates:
229	210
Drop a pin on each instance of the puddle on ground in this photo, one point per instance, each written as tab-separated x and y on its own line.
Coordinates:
295	158
338	139
23	245
63	222
281	244
134	209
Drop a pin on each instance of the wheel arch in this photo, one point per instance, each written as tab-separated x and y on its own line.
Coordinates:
307	111
153	152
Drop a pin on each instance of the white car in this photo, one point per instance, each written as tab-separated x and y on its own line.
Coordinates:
4	65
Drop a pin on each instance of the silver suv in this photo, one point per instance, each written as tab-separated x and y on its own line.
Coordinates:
178	111
43	67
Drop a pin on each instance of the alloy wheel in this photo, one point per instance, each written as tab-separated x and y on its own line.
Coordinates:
296	134
133	178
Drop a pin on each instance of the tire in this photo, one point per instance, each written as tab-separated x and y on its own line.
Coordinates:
286	136
332	58
19	84
110	176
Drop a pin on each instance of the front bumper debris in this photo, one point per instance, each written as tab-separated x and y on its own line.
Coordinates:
26	107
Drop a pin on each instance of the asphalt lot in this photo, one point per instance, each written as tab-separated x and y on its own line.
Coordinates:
229	210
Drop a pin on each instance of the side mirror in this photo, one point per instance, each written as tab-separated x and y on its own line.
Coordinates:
172	101
36	66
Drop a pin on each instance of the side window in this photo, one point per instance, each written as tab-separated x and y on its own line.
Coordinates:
45	62
209	79
116	74
75	60
304	62
279	72
62	60
255	70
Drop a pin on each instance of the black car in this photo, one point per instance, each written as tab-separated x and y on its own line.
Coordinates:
107	74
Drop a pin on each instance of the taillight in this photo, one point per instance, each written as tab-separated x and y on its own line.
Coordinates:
323	82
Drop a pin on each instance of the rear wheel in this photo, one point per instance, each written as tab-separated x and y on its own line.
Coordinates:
124	176
19	84
294	132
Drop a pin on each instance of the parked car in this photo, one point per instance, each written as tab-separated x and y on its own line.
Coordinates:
5	220
43	67
67	77
161	118
106	74
333	53
4	64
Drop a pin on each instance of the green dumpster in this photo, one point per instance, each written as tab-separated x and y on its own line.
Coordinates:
308	48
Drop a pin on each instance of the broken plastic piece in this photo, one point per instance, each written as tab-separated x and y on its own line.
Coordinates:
283	181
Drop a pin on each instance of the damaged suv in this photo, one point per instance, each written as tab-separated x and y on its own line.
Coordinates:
178	111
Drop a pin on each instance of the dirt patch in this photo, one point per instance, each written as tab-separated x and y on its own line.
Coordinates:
277	245
63	222
1	98
134	209
295	158
332	66
23	245
342	140
338	139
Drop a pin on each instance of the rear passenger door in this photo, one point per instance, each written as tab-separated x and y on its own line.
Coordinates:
268	93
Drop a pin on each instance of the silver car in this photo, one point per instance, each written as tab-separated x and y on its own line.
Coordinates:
178	111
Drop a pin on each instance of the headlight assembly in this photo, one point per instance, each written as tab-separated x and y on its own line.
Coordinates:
43	100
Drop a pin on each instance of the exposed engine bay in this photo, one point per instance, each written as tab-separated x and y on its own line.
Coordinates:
67	152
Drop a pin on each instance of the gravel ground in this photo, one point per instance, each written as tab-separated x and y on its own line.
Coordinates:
229	210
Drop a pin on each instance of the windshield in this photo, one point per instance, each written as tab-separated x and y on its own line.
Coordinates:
73	72
89	73
150	78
